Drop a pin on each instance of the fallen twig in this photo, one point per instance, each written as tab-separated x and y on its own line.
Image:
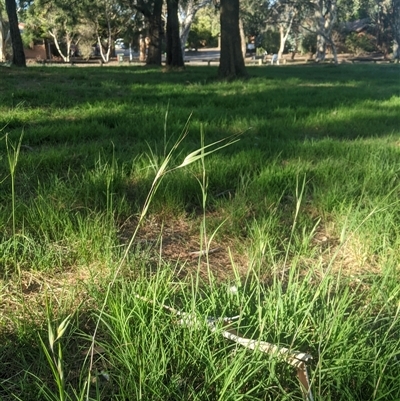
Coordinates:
296	359
204	252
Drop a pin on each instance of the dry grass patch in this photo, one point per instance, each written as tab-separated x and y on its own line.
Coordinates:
177	241
24	300
350	256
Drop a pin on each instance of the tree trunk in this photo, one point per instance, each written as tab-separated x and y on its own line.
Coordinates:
142	48
174	49
2	41
242	38
282	42
326	14
185	30
321	48
396	52
231	62
396	30
56	43
187	12
296	47
284	30
155	34
334	51
16	40
324	40
105	56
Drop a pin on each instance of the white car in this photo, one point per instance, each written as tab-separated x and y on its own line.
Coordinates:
119	44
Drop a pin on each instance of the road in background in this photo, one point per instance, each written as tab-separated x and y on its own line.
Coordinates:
191	56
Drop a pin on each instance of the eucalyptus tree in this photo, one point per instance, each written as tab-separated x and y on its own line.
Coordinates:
187	13
4	32
231	63
255	14
386	17
274	16
384	21
174	48
56	19
152	14
251	20
319	17
284	14
99	16
268	15
18	58
175	37
109	19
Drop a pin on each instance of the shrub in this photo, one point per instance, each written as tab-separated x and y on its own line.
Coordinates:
270	41
309	43
360	43
201	38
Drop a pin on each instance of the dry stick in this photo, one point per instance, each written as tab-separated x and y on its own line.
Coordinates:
293	358
296	359
203	253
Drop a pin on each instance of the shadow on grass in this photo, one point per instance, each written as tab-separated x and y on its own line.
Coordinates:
336	125
54	105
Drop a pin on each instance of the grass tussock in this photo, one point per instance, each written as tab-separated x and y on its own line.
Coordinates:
123	184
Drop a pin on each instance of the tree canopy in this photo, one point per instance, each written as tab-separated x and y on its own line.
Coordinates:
158	26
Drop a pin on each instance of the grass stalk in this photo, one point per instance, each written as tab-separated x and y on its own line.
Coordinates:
299	199
160	174
54	356
12	157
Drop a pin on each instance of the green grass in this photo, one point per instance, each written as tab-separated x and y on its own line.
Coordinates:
304	208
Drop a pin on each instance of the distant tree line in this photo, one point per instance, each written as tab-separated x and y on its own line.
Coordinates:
165	26
318	25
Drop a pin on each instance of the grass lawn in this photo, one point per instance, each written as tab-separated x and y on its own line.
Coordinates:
291	222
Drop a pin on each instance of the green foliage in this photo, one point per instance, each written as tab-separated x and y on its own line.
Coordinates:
199	38
360	43
28	38
205	29
260	51
57	16
79	25
270	41
254	15
309	43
